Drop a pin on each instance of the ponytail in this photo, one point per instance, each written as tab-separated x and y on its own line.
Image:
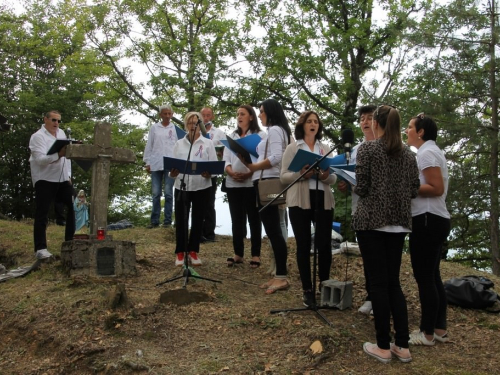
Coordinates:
388	119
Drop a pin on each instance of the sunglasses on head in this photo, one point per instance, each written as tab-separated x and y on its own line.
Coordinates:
380	106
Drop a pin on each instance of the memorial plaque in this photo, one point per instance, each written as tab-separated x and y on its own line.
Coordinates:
105	259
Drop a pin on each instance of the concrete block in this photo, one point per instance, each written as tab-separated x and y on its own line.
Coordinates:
98	257
336	294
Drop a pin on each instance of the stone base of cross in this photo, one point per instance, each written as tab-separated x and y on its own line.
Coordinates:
102	155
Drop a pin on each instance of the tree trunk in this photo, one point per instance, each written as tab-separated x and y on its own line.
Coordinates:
494	209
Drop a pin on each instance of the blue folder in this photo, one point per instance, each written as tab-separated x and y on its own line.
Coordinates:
245	146
194	167
344	173
303	158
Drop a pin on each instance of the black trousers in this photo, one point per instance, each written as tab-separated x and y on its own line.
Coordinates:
271	220
428	234
382	252
301	220
210	218
243	205
45	194
184	201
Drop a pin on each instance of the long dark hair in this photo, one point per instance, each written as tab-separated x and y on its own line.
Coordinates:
299	126
254	124
276	116
388	119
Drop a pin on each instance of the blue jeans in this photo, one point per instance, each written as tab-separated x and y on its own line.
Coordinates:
157	178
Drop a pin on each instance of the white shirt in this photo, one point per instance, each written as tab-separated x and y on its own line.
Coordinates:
429	155
278	140
47	167
232	159
216	135
203	150
354	196
161	142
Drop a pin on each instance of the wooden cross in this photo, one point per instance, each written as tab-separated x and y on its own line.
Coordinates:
101	154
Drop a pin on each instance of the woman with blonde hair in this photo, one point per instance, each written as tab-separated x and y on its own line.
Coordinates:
197	190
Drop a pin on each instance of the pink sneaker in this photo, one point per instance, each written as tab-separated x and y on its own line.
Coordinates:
402	354
383	355
193	257
179	261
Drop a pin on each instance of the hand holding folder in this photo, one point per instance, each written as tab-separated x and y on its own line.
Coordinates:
246	146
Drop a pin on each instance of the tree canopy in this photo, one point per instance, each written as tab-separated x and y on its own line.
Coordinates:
106	60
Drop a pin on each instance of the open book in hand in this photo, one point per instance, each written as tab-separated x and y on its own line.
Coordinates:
246	146
344	174
303	158
60	143
194	167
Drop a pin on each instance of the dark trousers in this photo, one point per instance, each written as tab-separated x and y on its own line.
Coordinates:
381	252
184	201
45	194
426	240
271	219
243	205
210	218
301	224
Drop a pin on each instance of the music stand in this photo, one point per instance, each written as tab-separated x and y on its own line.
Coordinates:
187	272
314	306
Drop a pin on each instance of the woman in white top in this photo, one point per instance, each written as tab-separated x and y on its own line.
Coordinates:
302	198
241	193
269	166
431	227
197	190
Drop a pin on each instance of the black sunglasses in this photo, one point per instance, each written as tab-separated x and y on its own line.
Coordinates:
56	120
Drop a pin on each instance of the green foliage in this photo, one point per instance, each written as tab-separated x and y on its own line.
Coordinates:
47	65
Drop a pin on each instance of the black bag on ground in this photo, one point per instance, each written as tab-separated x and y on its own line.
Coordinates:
470	292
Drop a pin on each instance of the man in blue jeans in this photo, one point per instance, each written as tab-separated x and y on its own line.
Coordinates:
161	140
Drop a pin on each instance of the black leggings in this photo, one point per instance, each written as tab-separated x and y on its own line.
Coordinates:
301	220
429	231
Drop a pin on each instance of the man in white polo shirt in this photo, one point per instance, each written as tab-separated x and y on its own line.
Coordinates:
51	176
161	141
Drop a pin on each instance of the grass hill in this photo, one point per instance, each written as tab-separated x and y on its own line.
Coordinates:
54	324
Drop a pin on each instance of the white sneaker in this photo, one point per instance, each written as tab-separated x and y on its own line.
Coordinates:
42	254
179	259
193	258
366	308
418	338
443	338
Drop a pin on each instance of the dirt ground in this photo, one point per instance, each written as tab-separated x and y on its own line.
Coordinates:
54	324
